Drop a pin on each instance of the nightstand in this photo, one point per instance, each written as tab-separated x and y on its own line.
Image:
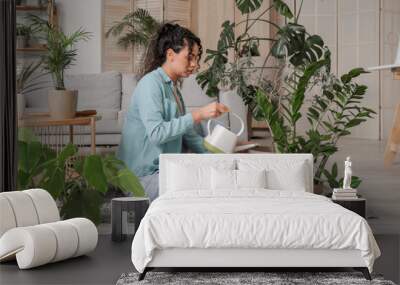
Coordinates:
356	205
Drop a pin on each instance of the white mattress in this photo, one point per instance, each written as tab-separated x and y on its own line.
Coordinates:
256	218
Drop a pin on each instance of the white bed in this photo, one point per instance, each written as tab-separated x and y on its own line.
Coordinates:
201	219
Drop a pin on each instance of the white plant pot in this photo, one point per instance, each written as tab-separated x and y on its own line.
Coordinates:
62	103
21	41
20	105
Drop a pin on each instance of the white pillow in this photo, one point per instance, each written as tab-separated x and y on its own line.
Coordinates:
251	179
184	175
288	175
225	179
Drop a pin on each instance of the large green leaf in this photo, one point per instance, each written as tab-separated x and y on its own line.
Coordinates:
54	179
29	155
282	8
67	152
94	174
248	6
298	96
129	182
82	202
293	43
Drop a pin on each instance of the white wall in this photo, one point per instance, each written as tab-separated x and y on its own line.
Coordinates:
87	14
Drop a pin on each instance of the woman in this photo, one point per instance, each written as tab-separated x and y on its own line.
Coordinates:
156	121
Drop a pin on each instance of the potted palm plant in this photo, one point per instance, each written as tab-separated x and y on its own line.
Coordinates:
137	28
60	55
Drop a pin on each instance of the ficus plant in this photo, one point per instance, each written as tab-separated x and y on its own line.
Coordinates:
77	183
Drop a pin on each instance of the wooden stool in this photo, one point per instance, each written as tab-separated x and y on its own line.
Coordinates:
137	205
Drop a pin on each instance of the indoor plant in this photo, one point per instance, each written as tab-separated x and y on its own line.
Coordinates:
137	27
301	65
236	64
23	33
77	183
60	55
336	103
27	80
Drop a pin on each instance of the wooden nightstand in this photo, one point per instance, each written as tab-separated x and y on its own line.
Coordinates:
357	205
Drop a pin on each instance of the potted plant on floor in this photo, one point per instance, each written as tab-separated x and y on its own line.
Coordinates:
78	183
301	65
336	102
60	55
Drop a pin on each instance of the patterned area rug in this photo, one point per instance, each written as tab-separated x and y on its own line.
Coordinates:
243	278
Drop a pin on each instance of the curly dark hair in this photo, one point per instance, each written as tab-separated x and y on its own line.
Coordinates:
168	36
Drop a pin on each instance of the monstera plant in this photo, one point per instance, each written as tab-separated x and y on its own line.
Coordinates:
300	65
77	182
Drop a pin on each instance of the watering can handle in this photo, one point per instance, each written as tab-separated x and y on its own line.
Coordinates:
238	134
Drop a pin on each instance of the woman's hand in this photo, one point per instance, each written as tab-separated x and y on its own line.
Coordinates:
212	110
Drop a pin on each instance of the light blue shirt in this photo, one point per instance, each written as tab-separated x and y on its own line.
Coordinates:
153	125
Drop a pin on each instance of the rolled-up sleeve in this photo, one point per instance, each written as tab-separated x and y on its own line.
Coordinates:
149	100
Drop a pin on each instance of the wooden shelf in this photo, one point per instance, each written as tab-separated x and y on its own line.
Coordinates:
31	8
32	49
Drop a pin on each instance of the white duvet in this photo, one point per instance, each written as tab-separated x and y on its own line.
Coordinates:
250	219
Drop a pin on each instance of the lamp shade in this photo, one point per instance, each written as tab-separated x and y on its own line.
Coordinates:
396	63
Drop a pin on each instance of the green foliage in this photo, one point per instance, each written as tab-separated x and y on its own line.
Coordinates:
61	53
138	28
333	113
80	195
236	72
302	63
23	30
335	182
28	78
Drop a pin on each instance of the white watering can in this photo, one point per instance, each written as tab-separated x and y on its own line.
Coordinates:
222	140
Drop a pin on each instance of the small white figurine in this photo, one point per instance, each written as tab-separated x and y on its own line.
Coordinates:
347	174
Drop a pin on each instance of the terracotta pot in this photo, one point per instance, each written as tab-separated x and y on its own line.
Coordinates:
62	103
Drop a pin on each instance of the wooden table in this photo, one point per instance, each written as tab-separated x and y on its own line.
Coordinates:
393	144
84	118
